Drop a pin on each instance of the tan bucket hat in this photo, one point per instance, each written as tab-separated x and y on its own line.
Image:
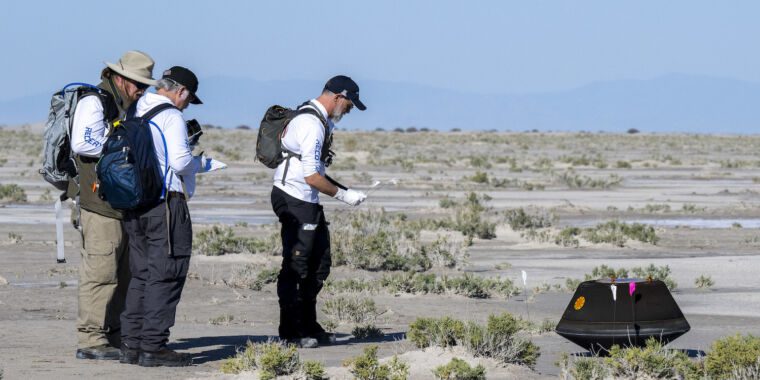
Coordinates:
135	65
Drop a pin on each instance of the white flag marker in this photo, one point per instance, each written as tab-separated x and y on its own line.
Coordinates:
613	287
59	231
525	278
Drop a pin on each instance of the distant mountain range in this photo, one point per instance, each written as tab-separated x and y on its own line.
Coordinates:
670	103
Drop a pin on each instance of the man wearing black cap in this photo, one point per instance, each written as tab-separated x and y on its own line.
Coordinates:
160	238
295	199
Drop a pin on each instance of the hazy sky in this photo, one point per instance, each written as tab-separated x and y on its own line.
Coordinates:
479	46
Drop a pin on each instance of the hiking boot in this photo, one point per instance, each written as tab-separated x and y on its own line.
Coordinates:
325	338
101	352
128	355
303	342
164	357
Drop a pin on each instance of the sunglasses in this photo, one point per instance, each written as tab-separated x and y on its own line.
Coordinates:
139	85
350	103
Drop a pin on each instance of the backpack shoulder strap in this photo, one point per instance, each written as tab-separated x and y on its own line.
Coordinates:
156	110
313	110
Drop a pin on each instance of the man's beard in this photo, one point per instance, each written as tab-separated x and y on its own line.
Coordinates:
336	118
339	115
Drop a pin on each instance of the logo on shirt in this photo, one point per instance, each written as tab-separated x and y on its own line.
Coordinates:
318	151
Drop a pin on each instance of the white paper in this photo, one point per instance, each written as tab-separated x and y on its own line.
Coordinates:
613	287
525	278
210	164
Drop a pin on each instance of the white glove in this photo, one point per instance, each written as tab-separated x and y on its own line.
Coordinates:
351	197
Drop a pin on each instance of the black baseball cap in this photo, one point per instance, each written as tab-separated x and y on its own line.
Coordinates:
186	78
345	86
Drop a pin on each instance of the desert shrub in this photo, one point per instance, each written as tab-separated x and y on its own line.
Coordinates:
440	332
498	339
653	272
458	369
313	370
12	192
479	177
375	240
582	368
576	181
518	219
350	309
480	162
366	331
703	282
603	271
650	362
469	218
249	277
567	237
571	284
15	238
272	359
368	367
46	196
617	233
732	353
467	285
221	240
656	208
447	202
623	165
350	285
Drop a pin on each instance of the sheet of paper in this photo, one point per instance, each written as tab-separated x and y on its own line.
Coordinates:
210	165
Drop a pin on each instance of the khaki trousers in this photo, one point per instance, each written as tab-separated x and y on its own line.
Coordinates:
103	280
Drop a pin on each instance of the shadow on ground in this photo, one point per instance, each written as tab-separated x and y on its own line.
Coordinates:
219	347
223	347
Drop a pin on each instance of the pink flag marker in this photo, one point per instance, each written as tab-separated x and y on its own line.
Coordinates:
631	288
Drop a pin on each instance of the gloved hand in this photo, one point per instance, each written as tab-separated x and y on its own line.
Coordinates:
205	163
351	197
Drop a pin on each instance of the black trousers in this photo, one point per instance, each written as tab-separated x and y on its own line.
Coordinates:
305	264
158	272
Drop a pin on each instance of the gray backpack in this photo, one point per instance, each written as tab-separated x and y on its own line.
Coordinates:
58	165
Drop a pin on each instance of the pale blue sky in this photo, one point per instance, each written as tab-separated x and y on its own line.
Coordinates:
478	46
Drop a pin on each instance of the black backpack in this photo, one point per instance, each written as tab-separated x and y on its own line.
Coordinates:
269	149
129	173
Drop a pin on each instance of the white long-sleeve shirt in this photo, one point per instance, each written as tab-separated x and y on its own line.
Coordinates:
172	124
88	129
305	135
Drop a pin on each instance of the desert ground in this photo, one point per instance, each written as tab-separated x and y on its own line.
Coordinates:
484	205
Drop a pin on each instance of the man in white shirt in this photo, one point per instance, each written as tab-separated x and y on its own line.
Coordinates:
295	199
160	238
104	269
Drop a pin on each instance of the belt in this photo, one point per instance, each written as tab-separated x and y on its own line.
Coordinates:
176	194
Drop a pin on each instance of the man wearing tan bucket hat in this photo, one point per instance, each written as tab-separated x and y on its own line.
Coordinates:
104	271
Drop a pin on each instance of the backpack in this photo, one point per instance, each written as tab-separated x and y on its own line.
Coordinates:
58	166
269	149
128	171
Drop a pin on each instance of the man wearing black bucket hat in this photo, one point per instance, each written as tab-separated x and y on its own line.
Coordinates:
295	199
160	238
